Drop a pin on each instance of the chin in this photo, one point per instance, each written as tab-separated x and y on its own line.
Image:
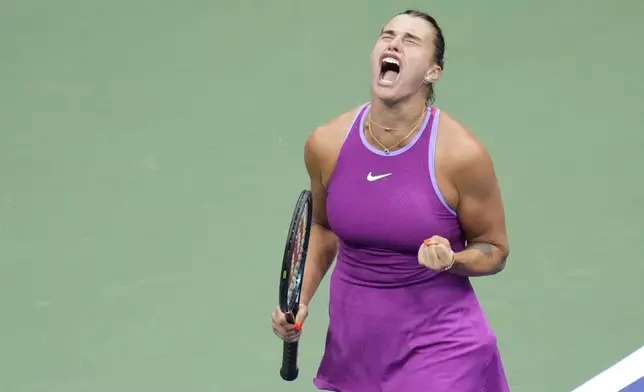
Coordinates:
396	93
386	94
382	92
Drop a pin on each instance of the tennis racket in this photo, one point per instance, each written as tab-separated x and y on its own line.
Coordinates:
291	274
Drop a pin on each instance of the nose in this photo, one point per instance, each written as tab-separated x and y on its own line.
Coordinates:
394	44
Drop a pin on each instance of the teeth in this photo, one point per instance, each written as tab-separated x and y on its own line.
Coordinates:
391	60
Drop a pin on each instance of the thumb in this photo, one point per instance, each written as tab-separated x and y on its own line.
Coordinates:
302	313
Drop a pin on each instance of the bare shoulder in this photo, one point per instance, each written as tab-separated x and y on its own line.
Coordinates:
331	134
464	153
323	144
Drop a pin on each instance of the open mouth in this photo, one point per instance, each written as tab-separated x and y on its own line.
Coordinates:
389	70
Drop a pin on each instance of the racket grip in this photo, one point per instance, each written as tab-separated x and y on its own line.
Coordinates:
289	370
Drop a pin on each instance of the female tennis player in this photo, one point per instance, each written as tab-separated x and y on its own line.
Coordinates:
408	200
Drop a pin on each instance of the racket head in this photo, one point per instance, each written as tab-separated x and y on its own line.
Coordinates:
295	252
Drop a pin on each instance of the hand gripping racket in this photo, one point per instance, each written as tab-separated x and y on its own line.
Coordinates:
291	274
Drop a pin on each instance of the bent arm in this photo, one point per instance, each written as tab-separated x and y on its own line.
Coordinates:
481	214
323	244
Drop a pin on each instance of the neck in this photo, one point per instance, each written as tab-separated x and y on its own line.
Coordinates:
400	115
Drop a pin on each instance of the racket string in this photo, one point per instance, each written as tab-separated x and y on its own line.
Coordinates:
294	276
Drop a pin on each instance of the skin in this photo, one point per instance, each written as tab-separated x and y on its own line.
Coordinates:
464	169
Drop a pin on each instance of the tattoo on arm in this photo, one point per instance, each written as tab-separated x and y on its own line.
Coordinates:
487	250
483	247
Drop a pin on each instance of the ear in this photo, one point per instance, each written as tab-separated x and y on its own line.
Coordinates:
432	75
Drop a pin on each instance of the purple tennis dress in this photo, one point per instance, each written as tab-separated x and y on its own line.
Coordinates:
396	326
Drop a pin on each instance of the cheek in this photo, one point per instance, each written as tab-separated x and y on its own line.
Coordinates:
378	48
375	65
374	54
416	68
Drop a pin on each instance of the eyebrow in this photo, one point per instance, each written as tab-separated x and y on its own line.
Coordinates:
407	35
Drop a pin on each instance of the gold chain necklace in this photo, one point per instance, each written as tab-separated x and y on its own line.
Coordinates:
387	150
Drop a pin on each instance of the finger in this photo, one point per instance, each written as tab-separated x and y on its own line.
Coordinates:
436	239
431	253
283	321
279	317
421	255
300	317
287	327
432	260
282	324
287	334
428	241
277	328
291	339
292	335
288	337
443	253
425	255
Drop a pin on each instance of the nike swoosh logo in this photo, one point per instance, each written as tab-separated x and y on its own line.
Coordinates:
371	177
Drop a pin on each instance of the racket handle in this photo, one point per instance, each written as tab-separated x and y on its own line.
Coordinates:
289	370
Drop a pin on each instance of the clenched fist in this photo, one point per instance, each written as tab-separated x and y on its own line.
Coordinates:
436	254
285	330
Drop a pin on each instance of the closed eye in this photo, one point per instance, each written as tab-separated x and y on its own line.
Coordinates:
387	34
407	37
412	38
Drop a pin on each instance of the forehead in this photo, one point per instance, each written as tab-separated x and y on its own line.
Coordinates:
402	24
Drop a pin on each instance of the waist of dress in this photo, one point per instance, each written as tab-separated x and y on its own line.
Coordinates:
381	268
425	293
390	270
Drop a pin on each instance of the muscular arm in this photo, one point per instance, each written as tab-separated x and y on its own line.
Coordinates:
323	245
481	213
